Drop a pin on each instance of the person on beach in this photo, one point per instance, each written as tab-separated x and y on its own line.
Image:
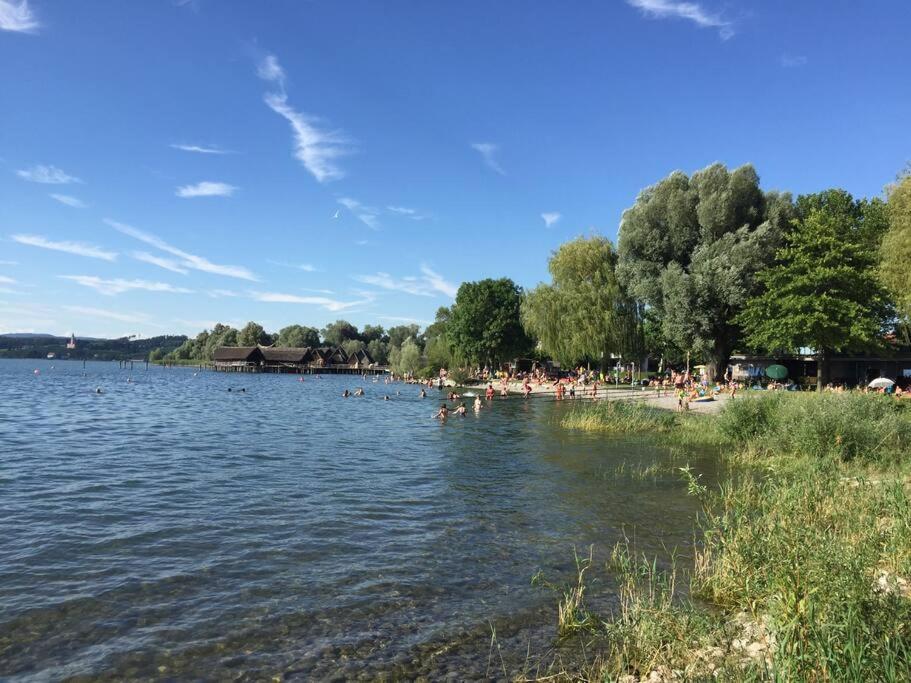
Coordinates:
443	412
595	389
526	389
560	390
489	393
572	390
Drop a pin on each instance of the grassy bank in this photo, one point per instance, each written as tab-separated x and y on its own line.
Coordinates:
804	569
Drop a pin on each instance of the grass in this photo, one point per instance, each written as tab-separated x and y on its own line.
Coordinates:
803	571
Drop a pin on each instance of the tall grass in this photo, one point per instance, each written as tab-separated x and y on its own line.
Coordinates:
620	417
804	567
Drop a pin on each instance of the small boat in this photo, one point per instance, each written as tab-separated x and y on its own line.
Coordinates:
51	355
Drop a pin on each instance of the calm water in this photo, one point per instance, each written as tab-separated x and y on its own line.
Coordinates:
169	528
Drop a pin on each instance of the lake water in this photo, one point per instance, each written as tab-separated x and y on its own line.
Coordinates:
170	528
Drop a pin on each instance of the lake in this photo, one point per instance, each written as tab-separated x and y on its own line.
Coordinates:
170	528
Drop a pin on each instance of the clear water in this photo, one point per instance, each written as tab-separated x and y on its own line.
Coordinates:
168	528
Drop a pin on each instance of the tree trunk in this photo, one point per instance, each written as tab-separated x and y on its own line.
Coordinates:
718	360
823	369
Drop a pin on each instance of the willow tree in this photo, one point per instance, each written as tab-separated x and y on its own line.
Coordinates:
895	265
690	249
584	315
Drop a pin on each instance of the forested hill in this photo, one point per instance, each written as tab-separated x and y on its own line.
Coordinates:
39	345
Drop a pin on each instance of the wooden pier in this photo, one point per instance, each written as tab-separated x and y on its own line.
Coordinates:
298	361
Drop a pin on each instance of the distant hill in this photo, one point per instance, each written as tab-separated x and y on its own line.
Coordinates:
31	345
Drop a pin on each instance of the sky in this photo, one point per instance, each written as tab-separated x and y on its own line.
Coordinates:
169	164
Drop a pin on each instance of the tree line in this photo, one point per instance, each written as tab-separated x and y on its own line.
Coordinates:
704	265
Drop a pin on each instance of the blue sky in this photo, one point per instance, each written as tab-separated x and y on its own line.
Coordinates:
168	164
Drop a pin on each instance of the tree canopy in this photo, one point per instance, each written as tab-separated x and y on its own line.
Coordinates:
340	331
690	248
896	245
584	315
484	324
298	336
823	292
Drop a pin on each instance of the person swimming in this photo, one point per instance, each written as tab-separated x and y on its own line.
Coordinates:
358	392
443	412
346	393
461	410
386	398
423	394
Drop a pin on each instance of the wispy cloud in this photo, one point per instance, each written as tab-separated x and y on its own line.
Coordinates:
413	214
322	301
317	149
9	263
306	267
488	152
161	262
365	214
691	11
186	259
76	248
70	201
404	319
199	149
49	175
107	314
550	217
119	285
221	293
792	61
206	189
427	284
7	280
17	16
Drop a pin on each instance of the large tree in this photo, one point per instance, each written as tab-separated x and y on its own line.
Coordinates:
484	324
823	292
340	331
253	334
584	315
690	248
896	245
298	336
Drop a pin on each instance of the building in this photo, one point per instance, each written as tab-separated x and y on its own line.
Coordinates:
850	370
293	360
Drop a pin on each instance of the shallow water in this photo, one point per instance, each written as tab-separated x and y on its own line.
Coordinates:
170	528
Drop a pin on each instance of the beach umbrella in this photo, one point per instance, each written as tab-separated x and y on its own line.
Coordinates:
881	383
776	371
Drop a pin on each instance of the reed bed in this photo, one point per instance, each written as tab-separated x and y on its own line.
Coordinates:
803	571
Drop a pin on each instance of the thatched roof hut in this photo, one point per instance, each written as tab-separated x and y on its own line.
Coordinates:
286	354
238	354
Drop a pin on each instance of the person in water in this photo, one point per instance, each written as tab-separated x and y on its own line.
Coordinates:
346	393
477	404
489	393
423	394
358	392
461	410
443	412
386	398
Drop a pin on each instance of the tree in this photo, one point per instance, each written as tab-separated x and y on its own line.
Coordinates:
407	358
436	347
155	355
339	331
252	334
484	324
350	346
399	333
690	248
378	351
298	336
584	315
371	332
895	253
823	292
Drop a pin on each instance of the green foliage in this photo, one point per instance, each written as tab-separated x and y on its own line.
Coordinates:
379	351
253	334
373	332
584	315
341	330
690	249
156	355
353	346
823	291
406	359
895	252
298	336
620	417
484	324
399	333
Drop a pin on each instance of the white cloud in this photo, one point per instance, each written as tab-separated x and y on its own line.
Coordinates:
317	149
324	302
17	16
220	293
488	151
161	262
792	61
109	315
206	189
70	201
306	267
405	319
119	285
210	149
365	214
7	280
49	175
413	214
186	259
270	70
427	284
691	11
9	263
550	217
69	247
